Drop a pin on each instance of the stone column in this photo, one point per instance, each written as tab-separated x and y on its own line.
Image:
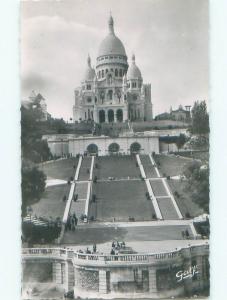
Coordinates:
106	116
152	280
68	279
102	282
125	114
115	116
57	272
95	115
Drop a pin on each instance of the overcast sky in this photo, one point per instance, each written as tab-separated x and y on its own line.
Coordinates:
169	39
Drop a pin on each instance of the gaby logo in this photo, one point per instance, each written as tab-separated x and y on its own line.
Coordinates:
191	272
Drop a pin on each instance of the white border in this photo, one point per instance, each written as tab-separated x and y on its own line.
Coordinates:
10	149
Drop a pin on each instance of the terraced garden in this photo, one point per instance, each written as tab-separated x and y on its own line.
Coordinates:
116	166
60	169
119	200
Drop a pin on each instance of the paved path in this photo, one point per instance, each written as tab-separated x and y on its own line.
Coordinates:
106	233
53	182
146	246
138	224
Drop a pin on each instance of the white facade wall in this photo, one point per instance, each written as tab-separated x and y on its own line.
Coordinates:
148	144
79	145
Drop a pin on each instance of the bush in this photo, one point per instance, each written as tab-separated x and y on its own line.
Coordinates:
154	216
187	215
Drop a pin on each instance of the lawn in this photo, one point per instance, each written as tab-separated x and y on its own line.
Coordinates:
185	203
116	166
51	204
60	169
121	200
201	155
94	235
170	165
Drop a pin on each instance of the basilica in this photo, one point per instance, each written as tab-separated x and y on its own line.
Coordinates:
114	91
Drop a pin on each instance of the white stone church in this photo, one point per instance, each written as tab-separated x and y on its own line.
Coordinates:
114	91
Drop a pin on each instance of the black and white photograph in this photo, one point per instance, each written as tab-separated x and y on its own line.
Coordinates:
115	149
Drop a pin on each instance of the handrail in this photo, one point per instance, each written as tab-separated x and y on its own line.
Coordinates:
68	253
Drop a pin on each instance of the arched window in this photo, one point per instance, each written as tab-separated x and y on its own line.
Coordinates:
92	149
134	84
89	99
113	148
116	72
120	72
92	115
135	147
102	73
110	94
88	113
110	79
101	116
119	115
106	70
110	115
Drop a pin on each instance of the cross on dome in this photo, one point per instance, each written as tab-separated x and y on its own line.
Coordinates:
89	60
133	58
111	24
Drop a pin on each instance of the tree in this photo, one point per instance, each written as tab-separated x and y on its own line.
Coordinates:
198	183
33	147
33	186
180	141
200	119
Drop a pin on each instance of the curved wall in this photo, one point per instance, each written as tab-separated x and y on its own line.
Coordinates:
158	275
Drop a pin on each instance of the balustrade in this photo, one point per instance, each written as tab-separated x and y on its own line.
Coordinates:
70	254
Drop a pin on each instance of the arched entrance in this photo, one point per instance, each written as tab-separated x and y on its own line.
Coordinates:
110	115
135	147
92	149
113	148
119	115
101	116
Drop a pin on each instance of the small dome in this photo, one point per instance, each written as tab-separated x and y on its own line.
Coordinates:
90	72
111	44
133	70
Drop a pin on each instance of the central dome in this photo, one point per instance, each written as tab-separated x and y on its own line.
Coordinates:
111	44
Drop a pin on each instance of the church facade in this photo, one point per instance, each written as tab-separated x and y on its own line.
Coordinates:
114	91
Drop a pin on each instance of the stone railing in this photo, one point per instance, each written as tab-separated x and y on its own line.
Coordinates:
40	253
102	259
93	259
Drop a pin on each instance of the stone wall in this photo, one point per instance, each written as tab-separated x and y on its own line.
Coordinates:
76	146
86	280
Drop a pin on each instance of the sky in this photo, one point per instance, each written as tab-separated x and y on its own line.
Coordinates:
170	39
